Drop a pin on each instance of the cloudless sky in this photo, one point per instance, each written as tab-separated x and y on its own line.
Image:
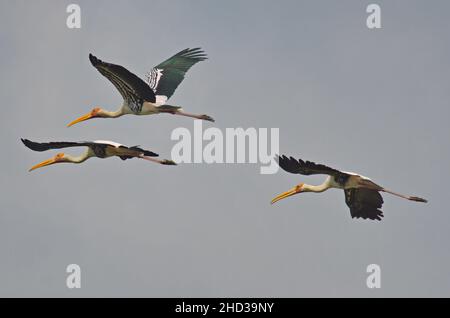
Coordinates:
370	101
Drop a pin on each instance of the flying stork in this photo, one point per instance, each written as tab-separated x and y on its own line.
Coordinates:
100	149
145	98
362	195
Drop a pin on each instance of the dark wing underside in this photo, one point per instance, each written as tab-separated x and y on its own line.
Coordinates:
123	152
98	148
165	77
43	146
147	153
364	203
133	90
299	166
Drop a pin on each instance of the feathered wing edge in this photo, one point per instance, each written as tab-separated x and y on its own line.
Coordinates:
44	146
128	84
364	203
165	78
299	166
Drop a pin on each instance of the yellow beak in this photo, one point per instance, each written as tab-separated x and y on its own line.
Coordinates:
82	118
286	194
43	164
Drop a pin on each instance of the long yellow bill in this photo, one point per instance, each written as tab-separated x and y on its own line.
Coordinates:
43	164
82	118
286	194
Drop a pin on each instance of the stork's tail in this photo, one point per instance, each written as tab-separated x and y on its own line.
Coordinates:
178	111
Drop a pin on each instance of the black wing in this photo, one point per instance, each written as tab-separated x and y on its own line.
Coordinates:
133	90
98	148
165	77
299	166
144	152
141	151
364	203
43	146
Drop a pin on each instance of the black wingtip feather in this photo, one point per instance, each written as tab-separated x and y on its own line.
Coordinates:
94	61
289	164
150	154
195	53
24	141
31	145
373	215
303	167
147	153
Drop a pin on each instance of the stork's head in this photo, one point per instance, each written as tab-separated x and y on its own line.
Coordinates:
96	112
56	159
297	189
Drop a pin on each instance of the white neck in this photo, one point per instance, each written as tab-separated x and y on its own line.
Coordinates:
78	159
113	114
317	188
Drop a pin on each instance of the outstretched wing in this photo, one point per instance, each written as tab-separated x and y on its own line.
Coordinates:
299	166
133	90
147	153
43	146
165	77
99	147
364	203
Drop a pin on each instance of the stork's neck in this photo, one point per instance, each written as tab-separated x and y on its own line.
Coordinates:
78	159
317	188
113	114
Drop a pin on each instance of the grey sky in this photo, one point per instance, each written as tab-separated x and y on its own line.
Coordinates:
369	101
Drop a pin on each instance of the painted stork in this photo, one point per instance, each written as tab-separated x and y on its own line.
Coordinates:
362	195
100	149
141	98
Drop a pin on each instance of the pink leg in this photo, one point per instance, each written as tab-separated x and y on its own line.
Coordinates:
203	117
417	199
163	161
